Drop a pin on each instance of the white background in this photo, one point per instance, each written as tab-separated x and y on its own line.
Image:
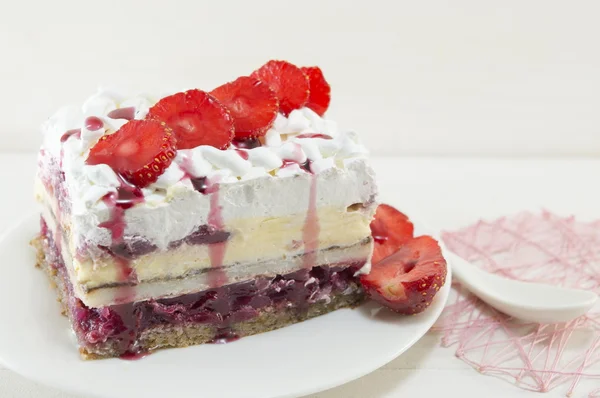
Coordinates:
461	78
414	77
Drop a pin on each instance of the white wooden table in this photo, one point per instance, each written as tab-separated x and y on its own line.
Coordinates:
449	193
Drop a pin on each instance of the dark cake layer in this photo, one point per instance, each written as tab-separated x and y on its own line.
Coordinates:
214	315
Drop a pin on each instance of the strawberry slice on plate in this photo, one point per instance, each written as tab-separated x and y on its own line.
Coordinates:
390	229
252	104
140	151
407	281
288	82
320	91
197	118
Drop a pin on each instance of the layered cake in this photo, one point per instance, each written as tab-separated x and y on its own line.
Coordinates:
206	216
203	216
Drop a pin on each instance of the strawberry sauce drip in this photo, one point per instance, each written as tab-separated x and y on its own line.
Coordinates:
116	224
314	135
127	196
243	154
304	166
68	134
225	336
122	113
311	229
216	251
186	166
76	133
246	143
134	356
93	123
200	184
298	153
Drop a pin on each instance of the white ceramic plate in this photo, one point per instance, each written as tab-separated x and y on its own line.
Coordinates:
315	355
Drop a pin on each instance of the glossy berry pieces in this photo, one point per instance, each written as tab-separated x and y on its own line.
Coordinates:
290	84
140	151
197	118
251	103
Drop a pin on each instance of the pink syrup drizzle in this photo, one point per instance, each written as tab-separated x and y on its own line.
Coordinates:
70	133
314	135
75	133
298	153
127	196
311	228
186	166
243	154
134	356
539	248
122	113
216	251
93	123
246	143
304	166
225	336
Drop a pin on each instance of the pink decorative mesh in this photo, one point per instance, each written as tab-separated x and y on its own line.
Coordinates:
532	247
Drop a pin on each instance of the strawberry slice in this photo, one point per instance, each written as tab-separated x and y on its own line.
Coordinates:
140	151
196	117
407	281
288	81
390	230
252	104
320	91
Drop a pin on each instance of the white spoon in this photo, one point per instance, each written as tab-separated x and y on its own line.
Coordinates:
527	301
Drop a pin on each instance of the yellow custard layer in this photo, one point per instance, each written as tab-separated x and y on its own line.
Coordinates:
251	240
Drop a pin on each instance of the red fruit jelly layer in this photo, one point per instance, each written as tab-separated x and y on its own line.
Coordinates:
121	325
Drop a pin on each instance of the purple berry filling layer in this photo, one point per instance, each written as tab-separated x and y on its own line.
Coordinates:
132	247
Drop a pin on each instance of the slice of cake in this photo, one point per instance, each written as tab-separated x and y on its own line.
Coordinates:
203	217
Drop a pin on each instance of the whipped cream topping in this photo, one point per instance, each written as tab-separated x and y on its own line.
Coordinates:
302	136
291	141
